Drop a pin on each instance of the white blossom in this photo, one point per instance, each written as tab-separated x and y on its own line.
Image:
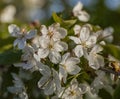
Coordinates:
21	35
79	13
54	31
90	95
74	90
51	48
27	58
105	34
95	59
49	81
18	88
84	40
68	65
7	14
101	81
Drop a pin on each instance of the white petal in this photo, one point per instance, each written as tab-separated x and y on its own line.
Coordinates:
43	53
13	30
78	50
96	61
16	42
83	88
56	79
77	29
22	44
100	60
73	69
77	8
107	34
75	39
84	33
85	52
24	65
44	30
44	41
42	81
54	27
83	16
60	33
96	49
91	41
50	88
37	57
60	46
44	69
72	61
65	57
31	34
55	57
62	74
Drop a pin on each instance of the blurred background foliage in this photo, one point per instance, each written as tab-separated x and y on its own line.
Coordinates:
104	13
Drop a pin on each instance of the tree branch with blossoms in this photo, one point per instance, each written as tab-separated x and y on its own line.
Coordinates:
61	52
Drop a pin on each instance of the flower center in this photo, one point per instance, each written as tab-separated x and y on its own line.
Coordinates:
84	44
50	33
50	46
72	92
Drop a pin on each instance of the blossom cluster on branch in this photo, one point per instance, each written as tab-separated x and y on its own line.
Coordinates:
63	58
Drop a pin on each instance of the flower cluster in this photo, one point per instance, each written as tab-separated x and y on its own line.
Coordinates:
48	51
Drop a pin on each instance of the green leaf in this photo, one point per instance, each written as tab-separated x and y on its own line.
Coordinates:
113	50
69	23
56	18
10	57
64	23
116	94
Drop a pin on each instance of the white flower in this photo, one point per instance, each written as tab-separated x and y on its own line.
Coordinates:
22	36
54	31
95	60
105	34
90	95
50	81
51	48
18	88
68	65
81	14
28	60
101	81
74	90
7	14
84	40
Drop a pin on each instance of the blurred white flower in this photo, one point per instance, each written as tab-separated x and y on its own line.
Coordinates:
95	59
74	90
18	88
21	35
49	81
27	58
54	31
51	48
90	95
84	40
101	81
79	13
105	34
8	13
68	65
